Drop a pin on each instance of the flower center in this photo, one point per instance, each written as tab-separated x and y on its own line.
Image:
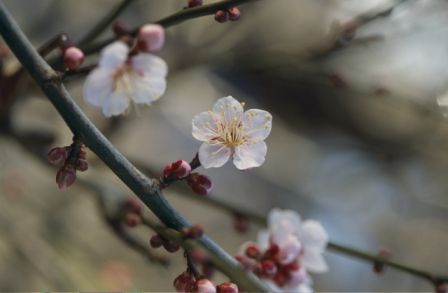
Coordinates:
124	80
231	133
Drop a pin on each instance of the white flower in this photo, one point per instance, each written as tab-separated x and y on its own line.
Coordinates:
305	241
227	131
120	79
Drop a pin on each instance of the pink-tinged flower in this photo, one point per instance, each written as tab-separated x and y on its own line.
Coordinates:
227	287
204	286
151	38
227	131
177	170
121	79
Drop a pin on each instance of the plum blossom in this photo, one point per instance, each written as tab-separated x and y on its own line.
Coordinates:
122	78
227	131
294	246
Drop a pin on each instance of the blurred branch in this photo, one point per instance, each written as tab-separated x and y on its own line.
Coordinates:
179	17
146	189
104	22
337	248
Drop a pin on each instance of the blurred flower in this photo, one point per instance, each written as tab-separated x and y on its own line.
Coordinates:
151	38
289	249
120	79
227	131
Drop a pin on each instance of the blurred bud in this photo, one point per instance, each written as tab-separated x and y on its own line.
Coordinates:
194	232
170	246
384	254
73	58
156	241
272	251
120	29
57	156
184	282
234	14
247	263
65	177
253	251
194	3
227	287
81	165
198	256
221	16
268	268
441	288
151	38
208	269
177	170
134	205
204	286
199	183
132	219
241	223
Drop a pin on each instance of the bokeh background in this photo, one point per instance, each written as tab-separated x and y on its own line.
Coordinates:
358	141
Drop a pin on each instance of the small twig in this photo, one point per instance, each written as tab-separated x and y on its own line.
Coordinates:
195	163
191	266
98	28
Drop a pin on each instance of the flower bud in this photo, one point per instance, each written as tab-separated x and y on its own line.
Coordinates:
221	16
193	232
267	268
133	205
247	263
194	3
171	246
65	177
241	224
57	156
177	170
204	286
227	287
252	251
132	219
151	38
73	58
120	29
378	266
184	282
234	14
156	241
81	165
199	183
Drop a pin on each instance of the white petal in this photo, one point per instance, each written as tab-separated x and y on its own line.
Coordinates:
277	215
313	235
229	108
249	155
290	247
205	126
313	261
257	124
147	90
149	65
114	55
98	85
263	239
213	156
115	104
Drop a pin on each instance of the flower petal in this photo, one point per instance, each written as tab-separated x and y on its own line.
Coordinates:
249	155
205	126
98	85
148	90
115	104
213	155
114	55
313	261
257	124
263	239
277	215
149	65
313	235
229	108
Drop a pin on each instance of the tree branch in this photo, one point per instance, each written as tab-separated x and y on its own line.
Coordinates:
146	189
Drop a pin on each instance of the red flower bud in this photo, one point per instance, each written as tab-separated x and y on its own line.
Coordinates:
267	268
133	205
65	177
57	156
73	58
132	219
204	286
241	224
156	241
184	282
81	165
193	232
221	16
198	256
177	170
253	251
234	14
194	3
199	183
171	246
120	29
227	287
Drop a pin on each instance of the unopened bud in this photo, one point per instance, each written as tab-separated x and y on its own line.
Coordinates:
171	246
151	38
198	256
81	165
65	177
204	286
193	232
253	251
227	287
73	58
177	170
120	29
194	3
267	268
241	223
184	282
200	184
132	219
384	254
57	156
221	16
156	241
234	14
133	205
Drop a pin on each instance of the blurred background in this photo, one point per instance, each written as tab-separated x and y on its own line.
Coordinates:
358	140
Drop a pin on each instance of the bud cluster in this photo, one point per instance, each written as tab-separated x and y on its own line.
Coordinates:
132	212
232	14
70	159
158	240
194	232
186	282
181	170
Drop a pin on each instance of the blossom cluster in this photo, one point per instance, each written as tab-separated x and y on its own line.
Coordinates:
286	252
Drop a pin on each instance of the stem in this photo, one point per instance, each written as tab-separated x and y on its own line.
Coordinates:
179	17
146	189
104	23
